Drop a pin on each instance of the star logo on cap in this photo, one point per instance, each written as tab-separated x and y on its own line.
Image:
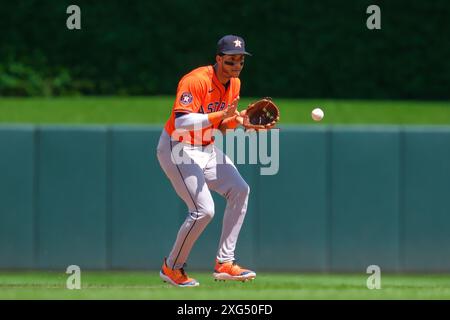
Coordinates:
237	43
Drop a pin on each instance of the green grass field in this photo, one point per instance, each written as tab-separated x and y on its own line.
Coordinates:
267	286
156	110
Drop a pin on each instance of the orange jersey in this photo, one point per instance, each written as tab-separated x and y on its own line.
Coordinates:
200	91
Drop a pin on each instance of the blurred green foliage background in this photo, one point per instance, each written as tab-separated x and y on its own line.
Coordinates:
301	49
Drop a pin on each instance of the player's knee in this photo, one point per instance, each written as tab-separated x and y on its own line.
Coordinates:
209	214
204	215
242	189
207	211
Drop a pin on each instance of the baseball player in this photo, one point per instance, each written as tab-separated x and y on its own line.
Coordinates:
206	99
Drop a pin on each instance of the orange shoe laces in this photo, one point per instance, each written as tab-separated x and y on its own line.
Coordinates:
180	275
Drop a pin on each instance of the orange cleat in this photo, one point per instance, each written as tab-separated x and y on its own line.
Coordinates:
231	271
176	277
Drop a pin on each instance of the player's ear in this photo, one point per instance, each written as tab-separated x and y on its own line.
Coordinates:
218	58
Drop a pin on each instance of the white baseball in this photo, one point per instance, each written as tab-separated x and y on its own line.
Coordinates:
317	114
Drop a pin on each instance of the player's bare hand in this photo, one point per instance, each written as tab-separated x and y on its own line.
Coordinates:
230	111
240	116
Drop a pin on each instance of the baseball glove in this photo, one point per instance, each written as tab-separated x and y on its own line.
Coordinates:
262	114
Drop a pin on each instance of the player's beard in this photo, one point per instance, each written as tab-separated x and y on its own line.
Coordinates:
236	74
229	73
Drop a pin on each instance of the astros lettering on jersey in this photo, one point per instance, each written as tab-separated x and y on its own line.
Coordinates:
200	91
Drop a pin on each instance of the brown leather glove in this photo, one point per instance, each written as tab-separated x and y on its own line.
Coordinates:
262	114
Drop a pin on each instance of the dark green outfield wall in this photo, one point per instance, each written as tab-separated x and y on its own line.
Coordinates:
344	198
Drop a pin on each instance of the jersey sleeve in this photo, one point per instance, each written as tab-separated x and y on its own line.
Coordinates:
190	95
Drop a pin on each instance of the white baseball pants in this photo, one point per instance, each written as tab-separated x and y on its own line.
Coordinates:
210	169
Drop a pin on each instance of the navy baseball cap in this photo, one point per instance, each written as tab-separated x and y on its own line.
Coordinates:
231	44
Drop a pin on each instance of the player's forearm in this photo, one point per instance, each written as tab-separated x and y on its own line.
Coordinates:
229	123
191	121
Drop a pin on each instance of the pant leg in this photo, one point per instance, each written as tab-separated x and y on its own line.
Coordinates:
224	178
189	183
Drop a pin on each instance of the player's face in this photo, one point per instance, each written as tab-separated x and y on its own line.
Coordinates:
232	65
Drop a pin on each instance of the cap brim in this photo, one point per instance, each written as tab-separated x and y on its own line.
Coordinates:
237	52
